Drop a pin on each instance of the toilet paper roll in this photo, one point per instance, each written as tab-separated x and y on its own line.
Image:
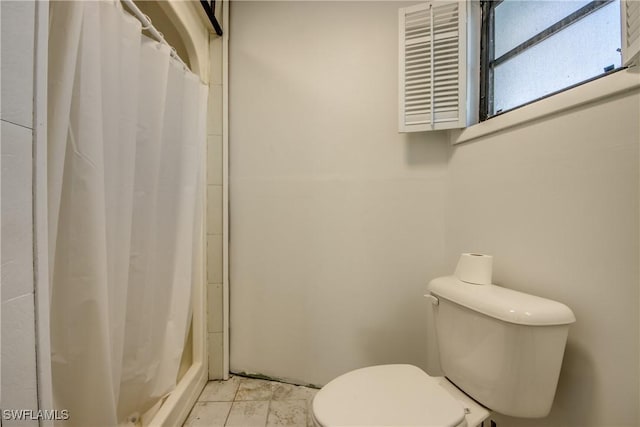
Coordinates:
475	269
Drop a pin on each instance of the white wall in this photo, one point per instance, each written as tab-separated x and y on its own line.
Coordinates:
556	202
337	221
19	384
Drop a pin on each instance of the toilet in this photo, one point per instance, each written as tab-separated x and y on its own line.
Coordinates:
500	350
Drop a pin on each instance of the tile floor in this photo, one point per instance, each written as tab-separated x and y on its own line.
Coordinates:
248	402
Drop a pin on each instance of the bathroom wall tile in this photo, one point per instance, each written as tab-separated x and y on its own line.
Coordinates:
17	50
215	355
290	413
214	126
214	159
215	52
283	391
214	307
254	389
214	259
248	414
17	220
220	391
208	414
214	209
18	357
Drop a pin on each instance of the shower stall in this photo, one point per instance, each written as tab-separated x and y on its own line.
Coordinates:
119	210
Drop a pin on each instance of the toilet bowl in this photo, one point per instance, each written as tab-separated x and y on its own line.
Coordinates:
501	350
394	395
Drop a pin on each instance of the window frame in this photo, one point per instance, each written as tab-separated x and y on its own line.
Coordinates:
488	60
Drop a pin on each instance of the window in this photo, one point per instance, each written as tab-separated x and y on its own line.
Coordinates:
502	54
531	49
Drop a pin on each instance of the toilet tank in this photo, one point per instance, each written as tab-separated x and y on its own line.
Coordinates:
502	347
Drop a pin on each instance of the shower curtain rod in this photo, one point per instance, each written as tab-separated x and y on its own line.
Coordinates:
147	25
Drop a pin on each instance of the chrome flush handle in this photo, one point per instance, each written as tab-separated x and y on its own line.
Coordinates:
434	300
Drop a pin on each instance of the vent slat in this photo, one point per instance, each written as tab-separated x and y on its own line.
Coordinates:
446	35
418	103
440	104
422	99
416	115
418	50
447	67
423	61
417	84
446	96
418	66
417	93
424	40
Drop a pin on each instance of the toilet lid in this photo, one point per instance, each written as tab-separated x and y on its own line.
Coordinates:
386	395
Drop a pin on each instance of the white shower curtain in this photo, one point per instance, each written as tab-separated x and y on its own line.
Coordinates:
125	141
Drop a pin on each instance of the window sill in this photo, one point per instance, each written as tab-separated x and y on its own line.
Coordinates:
605	87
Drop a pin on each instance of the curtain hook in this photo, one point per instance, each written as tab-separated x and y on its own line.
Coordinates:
175	55
148	20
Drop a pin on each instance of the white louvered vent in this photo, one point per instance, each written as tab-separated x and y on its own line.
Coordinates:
432	65
630	10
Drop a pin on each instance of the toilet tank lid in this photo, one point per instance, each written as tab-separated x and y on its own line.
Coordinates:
502	303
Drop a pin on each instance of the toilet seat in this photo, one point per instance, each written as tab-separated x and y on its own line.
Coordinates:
390	395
